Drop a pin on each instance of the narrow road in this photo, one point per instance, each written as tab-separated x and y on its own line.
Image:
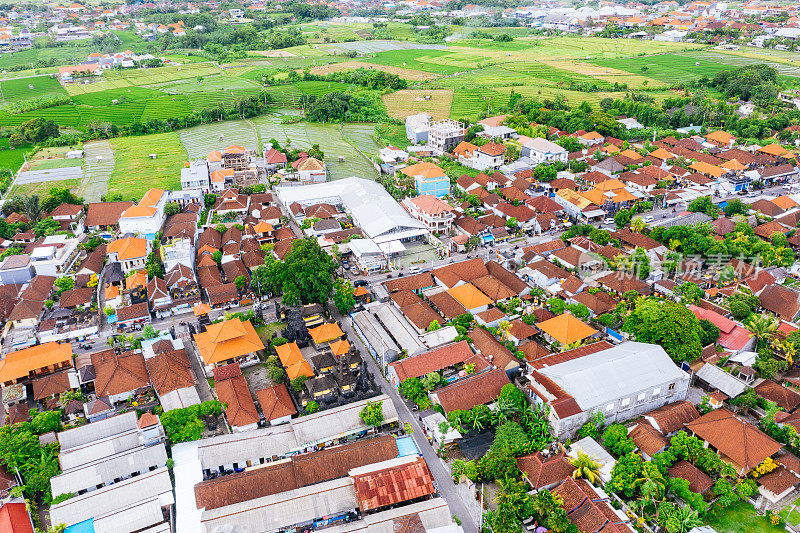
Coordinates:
203	388
441	472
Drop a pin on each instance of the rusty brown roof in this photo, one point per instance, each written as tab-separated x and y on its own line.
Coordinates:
393	485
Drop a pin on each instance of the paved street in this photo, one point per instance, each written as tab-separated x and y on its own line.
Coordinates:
461	503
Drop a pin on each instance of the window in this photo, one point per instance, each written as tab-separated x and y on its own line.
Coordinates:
671	387
624	403
641	397
610	407
656	391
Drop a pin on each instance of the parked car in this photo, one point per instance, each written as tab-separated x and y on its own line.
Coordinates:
649	218
360	283
608	221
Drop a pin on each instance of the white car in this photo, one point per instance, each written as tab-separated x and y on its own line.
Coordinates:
649	218
608	221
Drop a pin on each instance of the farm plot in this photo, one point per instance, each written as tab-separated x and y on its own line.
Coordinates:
289	95
437	61
24	88
13	158
99	158
435	102
135	172
201	140
606	74
469	102
335	143
669	68
405	73
372	47
42	188
204	84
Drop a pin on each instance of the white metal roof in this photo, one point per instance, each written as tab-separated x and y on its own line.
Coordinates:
719	379
400	329
339	421
97	430
372	208
150	486
617	372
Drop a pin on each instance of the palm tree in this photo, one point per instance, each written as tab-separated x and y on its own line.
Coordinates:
638	224
33	208
512	496
674	243
585	467
761	327
683	520
504	410
504	327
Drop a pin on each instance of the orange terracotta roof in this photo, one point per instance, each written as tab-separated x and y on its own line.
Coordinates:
227	340
128	248
137	279
326	333
469	296
19	364
294	362
566	329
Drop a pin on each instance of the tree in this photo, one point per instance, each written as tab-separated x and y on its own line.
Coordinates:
682	520
172	208
640	264
343	295
498	463
64	284
510	436
689	292
585	467
704	204
46	227
736	207
670	325
710	332
298	382
624	475
431	380
761	327
638	224
372	414
149	332
622	218
240	282
503	328
276	374
33	208
615	438
58	196
217	257
306	274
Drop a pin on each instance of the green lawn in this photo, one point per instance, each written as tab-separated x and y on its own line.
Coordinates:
20	89
45	164
266	331
134	171
12	159
739	518
424	60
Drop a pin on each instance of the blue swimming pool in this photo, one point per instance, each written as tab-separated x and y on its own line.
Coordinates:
406	446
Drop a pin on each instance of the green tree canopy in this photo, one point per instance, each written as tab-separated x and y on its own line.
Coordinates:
670	325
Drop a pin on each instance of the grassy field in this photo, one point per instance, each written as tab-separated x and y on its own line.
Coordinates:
424	60
12	159
42	189
134	171
20	89
739	517
668	68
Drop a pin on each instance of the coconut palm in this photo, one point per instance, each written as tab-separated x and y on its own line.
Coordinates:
638	224
504	327
504	410
674	243
761	327
585	467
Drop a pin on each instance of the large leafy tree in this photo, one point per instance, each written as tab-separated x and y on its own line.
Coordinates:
306	274
670	325
343	296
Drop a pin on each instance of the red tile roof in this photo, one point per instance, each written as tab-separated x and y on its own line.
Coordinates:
393	485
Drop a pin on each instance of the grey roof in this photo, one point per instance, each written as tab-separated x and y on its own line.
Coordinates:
434	514
271	513
146	492
687	220
102	447
339	421
378	338
97	430
543	145
719	379
246	446
105	469
617	372
398	326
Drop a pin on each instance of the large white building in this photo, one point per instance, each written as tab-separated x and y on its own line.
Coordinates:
620	382
373	209
543	151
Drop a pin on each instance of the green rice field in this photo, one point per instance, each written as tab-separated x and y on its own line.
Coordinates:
134	172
